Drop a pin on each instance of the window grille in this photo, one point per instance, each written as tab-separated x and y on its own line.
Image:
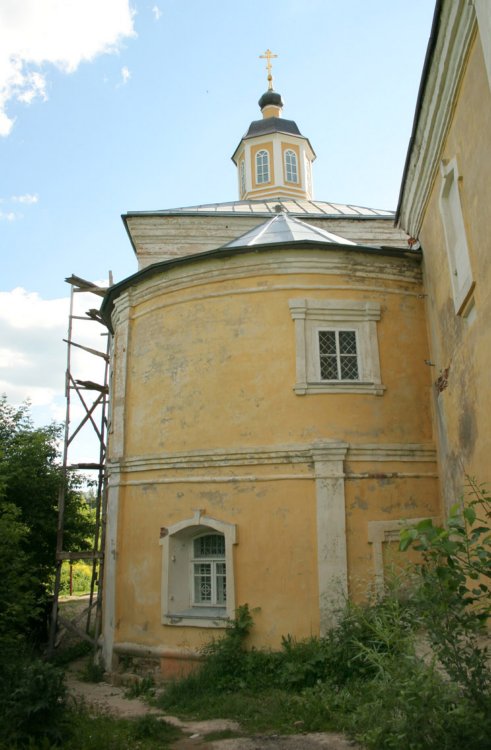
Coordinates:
209	570
338	355
262	167
291	166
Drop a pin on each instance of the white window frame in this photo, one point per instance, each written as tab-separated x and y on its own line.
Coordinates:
263	167
313	315
291	167
177	588
455	237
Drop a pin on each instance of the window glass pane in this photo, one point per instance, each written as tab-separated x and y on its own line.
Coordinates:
221	583
262	167
327	342
211	545
349	368
328	355
338	355
202	582
329	368
291	166
348	358
347	342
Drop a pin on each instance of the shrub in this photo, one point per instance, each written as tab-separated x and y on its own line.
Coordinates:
453	591
32	703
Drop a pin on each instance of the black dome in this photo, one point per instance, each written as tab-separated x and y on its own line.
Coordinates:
270	98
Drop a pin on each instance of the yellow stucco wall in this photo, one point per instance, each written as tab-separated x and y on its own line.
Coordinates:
237	338
461	411
270	516
209	406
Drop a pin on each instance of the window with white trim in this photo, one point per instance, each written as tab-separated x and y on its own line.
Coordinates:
336	346
455	237
262	166
291	170
198	585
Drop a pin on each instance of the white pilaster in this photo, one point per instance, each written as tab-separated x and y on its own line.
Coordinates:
331	530
110	564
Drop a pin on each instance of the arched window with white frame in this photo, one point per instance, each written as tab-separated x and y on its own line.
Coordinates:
198	586
262	167
291	169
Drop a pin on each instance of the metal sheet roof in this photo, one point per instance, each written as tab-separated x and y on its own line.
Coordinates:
285	229
271	125
298	207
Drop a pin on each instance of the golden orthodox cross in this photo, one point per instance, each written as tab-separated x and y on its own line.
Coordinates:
268	55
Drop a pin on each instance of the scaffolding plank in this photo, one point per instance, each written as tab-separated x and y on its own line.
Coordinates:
89	385
103	355
85	286
94	466
86	555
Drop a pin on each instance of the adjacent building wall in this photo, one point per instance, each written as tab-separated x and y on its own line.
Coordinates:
456	137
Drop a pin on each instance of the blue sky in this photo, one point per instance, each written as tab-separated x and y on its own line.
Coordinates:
108	106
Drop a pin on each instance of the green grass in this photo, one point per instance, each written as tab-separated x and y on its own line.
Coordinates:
364	678
271	710
92	732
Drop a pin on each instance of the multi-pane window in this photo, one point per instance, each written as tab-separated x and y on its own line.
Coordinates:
338	356
291	166
209	570
262	166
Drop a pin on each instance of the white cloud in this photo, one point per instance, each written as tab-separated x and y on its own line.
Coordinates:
33	354
33	358
8	216
125	74
156	12
26	198
34	34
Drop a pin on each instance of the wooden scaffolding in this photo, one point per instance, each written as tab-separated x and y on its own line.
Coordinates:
93	398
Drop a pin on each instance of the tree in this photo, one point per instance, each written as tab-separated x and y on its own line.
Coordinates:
30	479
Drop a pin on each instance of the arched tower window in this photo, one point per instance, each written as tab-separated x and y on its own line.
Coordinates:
291	169
262	166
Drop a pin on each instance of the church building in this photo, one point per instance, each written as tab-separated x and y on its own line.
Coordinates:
270	425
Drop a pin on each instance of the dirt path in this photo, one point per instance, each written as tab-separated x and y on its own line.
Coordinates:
106	698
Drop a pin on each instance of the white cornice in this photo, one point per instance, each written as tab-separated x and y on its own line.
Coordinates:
337	262
457	23
279	455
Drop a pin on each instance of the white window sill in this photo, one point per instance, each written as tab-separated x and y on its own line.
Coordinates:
198	617
375	389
